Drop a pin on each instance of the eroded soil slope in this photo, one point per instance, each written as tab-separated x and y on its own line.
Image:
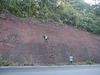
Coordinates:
22	42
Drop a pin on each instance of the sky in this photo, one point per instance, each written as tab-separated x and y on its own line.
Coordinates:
90	2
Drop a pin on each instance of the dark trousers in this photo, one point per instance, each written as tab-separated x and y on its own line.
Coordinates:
71	62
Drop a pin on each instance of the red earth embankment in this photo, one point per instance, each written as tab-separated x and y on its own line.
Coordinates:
23	43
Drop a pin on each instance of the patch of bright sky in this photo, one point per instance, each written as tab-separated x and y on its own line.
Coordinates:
91	2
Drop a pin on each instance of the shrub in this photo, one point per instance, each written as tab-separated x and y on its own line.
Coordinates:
4	62
90	62
89	23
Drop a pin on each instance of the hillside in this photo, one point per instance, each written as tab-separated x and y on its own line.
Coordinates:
22	42
71	12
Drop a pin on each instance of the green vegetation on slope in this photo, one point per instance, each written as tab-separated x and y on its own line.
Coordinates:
4	62
72	12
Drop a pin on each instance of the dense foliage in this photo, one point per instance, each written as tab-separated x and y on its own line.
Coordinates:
72	12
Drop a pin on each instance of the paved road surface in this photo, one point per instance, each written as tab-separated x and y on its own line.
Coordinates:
66	70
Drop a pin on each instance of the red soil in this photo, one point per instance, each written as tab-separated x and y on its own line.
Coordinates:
22	42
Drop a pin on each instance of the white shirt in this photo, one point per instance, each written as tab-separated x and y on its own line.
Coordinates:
71	58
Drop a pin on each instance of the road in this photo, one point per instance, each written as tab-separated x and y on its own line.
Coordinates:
66	70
